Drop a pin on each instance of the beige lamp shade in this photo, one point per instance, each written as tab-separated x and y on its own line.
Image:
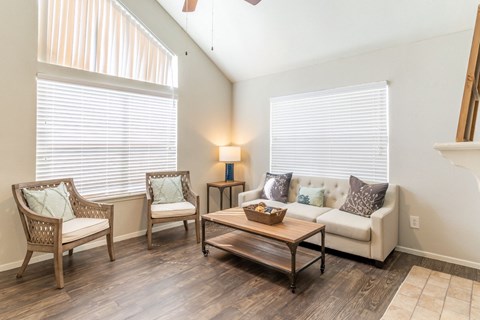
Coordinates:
229	154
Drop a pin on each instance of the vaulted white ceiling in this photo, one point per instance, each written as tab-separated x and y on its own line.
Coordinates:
278	35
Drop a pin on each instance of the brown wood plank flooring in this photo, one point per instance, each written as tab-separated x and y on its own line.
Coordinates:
175	281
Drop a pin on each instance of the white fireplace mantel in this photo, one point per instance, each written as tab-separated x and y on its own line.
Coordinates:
462	154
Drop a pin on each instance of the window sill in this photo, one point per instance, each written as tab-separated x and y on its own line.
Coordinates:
120	198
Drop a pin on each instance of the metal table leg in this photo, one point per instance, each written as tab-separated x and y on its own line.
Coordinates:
221	197
208	199
293	268
322	265
204	250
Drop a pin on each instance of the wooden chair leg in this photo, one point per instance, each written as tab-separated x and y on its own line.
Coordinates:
111	253
58	265
70	252
149	236
197	229
28	255
185	224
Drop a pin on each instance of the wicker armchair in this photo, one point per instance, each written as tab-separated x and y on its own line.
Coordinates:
167	213
47	234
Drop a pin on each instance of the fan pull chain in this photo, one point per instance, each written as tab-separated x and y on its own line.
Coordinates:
213	5
186	24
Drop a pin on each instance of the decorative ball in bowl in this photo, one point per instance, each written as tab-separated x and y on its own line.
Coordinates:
264	214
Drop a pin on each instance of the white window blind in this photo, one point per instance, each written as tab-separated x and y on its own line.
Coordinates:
332	133
105	139
102	36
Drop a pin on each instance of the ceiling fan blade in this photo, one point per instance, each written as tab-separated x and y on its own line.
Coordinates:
189	5
254	2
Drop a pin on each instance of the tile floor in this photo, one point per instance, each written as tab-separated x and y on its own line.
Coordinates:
427	294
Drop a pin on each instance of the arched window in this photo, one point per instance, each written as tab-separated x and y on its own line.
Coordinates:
105	136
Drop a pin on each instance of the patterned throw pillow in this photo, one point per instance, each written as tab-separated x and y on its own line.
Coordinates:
363	199
310	196
50	202
167	190
276	187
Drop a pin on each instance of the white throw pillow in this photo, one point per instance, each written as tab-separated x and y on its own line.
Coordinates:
310	196
167	190
50	202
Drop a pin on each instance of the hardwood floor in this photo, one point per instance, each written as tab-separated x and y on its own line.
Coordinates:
175	281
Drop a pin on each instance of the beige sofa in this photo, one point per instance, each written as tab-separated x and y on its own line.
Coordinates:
373	238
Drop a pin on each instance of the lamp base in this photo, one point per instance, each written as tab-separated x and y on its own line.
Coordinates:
229	172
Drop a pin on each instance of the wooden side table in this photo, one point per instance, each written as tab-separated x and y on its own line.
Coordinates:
222	185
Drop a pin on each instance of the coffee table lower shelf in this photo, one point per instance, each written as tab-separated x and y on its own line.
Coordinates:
271	253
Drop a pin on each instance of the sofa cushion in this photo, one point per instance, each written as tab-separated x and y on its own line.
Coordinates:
167	190
50	202
345	224
304	211
79	228
276	186
363	198
310	196
166	210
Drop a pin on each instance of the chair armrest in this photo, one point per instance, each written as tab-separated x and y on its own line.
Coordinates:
249	196
192	197
149	198
84	208
384	230
42	230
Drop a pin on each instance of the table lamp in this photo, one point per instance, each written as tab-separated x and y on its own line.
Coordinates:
229	155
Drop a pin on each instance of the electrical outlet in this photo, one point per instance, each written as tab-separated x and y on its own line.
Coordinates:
415	222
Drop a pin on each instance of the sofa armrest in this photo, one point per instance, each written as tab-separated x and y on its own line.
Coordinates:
249	196
385	227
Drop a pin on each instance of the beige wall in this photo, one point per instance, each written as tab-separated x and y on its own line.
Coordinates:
204	116
426	85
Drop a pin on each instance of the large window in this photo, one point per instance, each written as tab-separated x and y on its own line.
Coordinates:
106	139
332	133
103	131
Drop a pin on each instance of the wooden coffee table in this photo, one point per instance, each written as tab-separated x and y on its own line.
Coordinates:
273	246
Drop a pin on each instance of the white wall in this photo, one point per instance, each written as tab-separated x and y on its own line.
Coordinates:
204	116
426	85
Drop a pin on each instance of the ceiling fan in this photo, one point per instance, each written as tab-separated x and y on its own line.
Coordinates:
189	5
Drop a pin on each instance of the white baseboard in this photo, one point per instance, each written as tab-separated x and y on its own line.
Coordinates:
440	257
97	243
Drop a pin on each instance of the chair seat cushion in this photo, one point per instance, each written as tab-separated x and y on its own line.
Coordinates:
346	224
167	210
81	227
